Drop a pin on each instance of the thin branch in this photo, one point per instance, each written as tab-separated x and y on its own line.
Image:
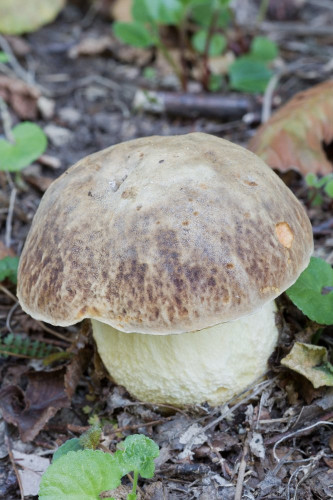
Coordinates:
9	219
296	433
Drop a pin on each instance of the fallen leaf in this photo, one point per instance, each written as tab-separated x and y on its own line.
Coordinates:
294	137
257	446
20	96
20	16
311	361
191	438
33	468
46	393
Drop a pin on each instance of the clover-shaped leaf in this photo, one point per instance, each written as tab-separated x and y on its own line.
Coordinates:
313	291
29	143
137	453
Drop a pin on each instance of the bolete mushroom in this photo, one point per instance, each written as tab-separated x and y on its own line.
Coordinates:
176	248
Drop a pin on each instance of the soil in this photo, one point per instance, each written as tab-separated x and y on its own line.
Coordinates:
275	441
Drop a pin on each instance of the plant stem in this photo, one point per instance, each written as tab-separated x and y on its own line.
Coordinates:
172	63
205	57
135	482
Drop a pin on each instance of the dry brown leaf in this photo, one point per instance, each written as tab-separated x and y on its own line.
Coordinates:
46	393
294	136
20	96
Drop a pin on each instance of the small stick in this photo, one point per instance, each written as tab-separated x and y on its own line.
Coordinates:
241	472
6	121
186	104
9	220
296	433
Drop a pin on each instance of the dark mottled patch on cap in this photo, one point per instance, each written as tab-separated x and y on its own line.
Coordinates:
178	246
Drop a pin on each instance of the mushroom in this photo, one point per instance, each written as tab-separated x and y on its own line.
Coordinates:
176	248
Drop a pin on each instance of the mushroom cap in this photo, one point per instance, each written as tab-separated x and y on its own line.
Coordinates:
163	235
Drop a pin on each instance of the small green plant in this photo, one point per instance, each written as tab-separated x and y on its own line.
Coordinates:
8	268
251	72
210	18
313	291
79	472
317	186
18	345
26	144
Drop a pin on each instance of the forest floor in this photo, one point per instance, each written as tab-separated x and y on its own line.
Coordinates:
275	441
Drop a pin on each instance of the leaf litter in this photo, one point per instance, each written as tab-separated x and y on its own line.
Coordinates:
282	425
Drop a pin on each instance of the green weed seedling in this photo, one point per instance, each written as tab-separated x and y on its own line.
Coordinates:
317	186
81	472
27	144
313	291
249	73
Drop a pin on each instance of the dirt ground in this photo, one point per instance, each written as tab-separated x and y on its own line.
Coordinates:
275	441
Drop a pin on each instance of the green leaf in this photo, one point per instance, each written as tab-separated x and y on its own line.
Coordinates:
249	75
80	475
4	58
307	293
135	34
30	143
166	12
137	453
217	43
8	268
311	361
70	445
311	179
204	11
263	49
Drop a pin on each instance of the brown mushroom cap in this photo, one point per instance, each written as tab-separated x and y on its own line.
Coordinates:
163	235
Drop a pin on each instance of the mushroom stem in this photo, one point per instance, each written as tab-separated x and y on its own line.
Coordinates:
210	365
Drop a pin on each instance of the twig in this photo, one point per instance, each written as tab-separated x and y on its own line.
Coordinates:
186	104
8	293
268	97
19	70
11	458
296	433
52	332
10	218
241	472
18	211
9	317
6	121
